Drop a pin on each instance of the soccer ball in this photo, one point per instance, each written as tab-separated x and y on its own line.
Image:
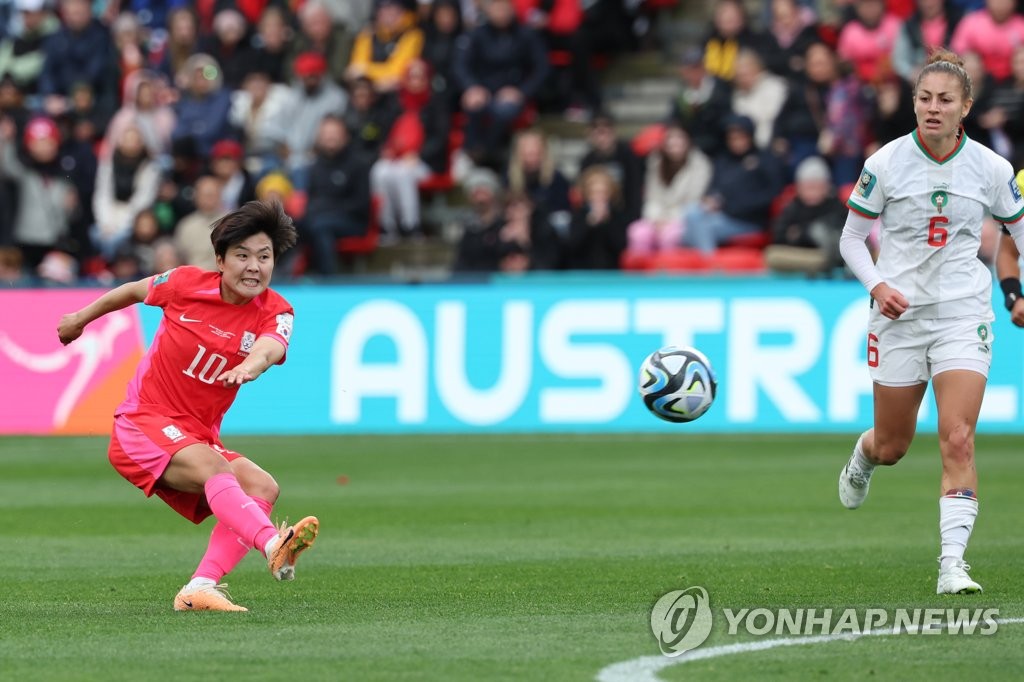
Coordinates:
677	383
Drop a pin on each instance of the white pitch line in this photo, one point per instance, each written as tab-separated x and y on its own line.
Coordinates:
646	668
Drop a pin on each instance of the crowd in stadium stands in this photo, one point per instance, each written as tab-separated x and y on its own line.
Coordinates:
128	126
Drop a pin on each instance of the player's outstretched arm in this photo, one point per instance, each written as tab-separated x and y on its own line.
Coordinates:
265	353
73	324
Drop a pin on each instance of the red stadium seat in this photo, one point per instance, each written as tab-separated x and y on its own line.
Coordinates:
366	243
634	261
755	240
731	259
680	260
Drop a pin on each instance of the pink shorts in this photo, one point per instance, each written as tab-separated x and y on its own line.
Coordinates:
141	448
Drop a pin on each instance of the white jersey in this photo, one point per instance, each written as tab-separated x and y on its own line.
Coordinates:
931	213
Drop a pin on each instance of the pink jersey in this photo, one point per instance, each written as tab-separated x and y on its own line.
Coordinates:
200	337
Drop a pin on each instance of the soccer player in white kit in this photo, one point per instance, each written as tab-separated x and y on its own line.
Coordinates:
931	307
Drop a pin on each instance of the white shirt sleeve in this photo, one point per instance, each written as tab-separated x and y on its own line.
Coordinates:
854	249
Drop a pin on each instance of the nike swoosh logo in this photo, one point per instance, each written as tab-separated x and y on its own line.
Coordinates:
248	504
186	319
187	603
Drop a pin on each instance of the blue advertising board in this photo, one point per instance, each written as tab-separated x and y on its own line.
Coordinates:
562	354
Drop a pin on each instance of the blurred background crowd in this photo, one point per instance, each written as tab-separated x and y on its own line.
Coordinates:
127	127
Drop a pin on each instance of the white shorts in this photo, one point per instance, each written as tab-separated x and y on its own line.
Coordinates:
910	352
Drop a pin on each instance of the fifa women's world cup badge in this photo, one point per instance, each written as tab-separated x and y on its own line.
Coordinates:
939	199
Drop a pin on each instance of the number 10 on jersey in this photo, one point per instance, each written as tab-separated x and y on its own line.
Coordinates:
215	364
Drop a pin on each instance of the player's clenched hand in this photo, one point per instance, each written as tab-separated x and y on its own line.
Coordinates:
69	328
891	302
1017	314
236	377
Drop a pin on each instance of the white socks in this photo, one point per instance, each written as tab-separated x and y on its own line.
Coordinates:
957	512
859	464
271	545
197	584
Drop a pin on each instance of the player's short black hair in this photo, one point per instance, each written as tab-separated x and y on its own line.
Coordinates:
254	217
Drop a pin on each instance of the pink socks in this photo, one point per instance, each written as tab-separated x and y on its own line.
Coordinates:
243	522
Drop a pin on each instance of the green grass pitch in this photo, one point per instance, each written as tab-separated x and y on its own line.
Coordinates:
499	558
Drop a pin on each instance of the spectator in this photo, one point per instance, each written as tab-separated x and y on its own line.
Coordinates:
867	41
86	120
275	187
678	175
525	239
80	52
311	98
606	149
443	28
416	147
124	266
930	26
12	103
844	136
269	53
192	233
369	118
130	47
757	94
339	195
153	15
57	267
730	31
46	201
702	104
805	234
744	183
142	242
479	248
166	255
352	15
22	54
576	87
992	32
145	107
182	41
126	184
11	270
1007	98
803	120
228	46
384	49
319	34
893	106
597	232
985	124
237	186
608	26
255	111
792	29
202	110
532	171
500	66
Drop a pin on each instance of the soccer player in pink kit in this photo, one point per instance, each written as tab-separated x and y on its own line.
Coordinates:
219	330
